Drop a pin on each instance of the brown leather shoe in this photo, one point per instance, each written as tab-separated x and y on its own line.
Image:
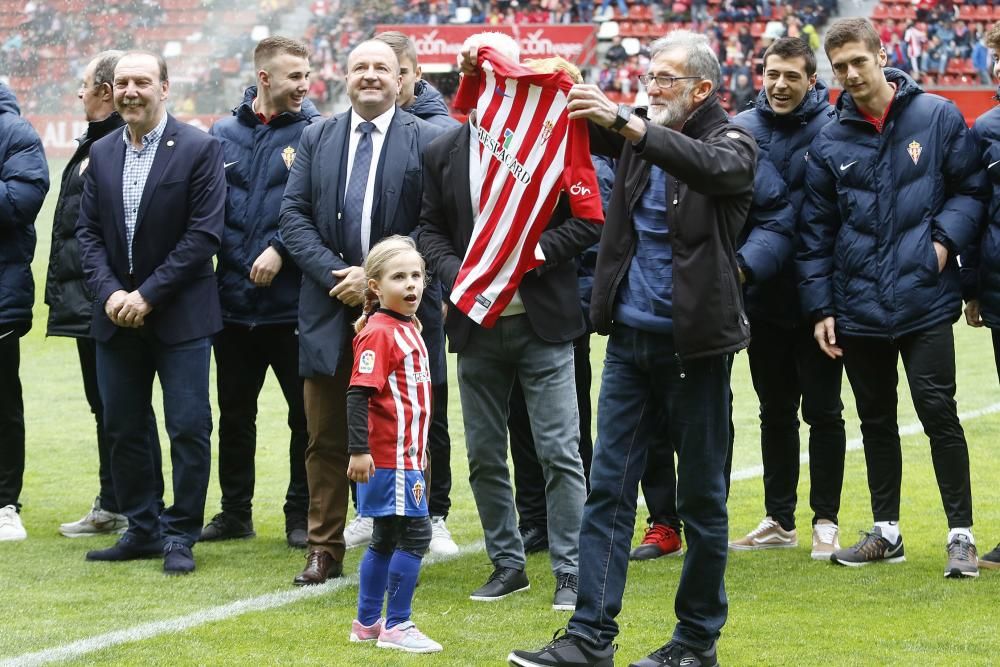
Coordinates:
320	566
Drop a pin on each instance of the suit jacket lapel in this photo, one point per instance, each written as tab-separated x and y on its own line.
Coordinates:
163	154
331	155
396	151
117	167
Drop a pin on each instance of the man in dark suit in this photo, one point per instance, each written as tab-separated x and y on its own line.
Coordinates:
151	219
356	179
532	340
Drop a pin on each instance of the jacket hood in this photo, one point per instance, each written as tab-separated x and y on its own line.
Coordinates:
427	101
816	101
906	88
8	103
245	113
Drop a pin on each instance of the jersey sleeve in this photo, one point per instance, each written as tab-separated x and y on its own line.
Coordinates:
579	176
375	355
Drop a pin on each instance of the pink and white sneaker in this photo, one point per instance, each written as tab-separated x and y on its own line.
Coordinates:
406	637
366	633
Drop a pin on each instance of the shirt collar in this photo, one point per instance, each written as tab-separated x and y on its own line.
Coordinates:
381	122
151	136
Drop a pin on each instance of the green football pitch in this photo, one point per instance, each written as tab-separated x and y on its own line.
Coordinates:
240	607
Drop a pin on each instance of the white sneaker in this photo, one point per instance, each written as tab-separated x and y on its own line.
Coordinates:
96	522
406	637
441	542
359	531
825	540
11	528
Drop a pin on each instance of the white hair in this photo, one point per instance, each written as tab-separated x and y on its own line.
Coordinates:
506	45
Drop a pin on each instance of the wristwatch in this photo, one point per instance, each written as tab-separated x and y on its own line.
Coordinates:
622	117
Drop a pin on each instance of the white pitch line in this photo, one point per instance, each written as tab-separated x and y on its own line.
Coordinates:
210	615
283	598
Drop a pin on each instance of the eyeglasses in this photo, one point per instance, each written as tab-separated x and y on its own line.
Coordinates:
663	80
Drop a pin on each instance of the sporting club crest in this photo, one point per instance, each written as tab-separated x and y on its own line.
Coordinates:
288	155
547	128
914	149
418	492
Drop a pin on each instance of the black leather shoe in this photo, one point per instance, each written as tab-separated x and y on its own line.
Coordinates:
127	550
177	559
226	526
297	538
535	539
503	582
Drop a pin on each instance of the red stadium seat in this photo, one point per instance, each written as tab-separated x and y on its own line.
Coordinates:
984	12
757	29
967	12
880	13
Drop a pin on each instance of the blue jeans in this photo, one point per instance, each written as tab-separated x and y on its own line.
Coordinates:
487	369
646	387
126	365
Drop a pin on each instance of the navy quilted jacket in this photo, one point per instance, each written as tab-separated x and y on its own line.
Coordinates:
24	180
258	159
767	245
981	262
875	202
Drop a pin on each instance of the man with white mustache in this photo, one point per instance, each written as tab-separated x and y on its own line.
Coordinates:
666	289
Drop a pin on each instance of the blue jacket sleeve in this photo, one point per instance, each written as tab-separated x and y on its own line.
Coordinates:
819	225
769	243
297	224
960	220
24	178
90	237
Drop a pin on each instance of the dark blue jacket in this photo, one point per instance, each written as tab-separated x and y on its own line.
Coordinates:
259	158
313	235
24	180
767	244
177	233
875	202
428	104
981	262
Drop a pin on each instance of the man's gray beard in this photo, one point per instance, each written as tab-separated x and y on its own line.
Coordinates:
672	113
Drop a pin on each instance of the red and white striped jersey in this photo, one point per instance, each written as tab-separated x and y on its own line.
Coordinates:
390	357
530	151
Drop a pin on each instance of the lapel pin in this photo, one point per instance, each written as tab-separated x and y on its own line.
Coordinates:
170	143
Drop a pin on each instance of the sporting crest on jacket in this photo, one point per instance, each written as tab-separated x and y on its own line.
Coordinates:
914	149
288	155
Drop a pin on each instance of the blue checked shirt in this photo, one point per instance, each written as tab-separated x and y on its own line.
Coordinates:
137	166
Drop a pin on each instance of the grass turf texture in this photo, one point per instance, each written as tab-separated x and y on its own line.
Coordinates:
785	609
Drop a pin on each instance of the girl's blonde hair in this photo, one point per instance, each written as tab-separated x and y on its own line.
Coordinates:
384	251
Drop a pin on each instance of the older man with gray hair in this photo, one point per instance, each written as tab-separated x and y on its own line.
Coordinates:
667	291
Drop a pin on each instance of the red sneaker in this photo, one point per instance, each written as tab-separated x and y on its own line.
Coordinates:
659	540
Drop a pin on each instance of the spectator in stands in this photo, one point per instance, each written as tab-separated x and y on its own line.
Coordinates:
669	344
24	180
531	339
606	13
879	276
148	231
981	60
935	57
259	287
70	300
981	264
328	236
962	41
741	93
915	38
896	53
786	366
616	53
421	99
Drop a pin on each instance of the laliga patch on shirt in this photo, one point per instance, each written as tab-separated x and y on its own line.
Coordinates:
366	363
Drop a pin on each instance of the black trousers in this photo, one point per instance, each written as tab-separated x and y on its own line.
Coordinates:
439	454
242	357
787	367
929	362
11	417
86	349
529	481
